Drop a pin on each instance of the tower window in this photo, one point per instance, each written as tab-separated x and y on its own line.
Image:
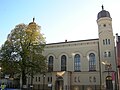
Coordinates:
109	54
105	54
103	42
106	42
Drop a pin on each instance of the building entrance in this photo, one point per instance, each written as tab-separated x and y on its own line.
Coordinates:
109	85
59	83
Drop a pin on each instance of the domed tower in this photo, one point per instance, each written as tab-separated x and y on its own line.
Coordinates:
104	21
106	44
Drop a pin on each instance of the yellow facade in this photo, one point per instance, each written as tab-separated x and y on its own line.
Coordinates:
91	72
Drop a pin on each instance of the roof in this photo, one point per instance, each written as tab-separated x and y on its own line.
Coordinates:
72	41
103	13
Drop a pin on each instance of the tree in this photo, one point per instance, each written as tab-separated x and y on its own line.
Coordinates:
23	51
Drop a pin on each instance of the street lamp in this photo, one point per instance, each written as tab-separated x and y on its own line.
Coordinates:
108	66
0	72
109	85
0	75
43	81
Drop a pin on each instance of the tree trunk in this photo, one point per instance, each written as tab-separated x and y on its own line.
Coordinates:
31	85
24	86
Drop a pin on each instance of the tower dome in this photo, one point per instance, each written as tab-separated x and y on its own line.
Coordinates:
103	13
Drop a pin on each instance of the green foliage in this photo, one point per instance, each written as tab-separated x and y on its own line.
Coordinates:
22	52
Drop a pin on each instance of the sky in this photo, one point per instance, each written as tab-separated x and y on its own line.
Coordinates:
60	20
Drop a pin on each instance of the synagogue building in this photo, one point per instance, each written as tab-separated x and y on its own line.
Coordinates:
83	64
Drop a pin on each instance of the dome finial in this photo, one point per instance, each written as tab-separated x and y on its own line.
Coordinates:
102	7
33	19
103	13
33	22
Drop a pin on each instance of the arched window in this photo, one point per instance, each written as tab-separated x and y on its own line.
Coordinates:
63	63
109	54
108	41
103	42
92	62
50	64
105	54
77	62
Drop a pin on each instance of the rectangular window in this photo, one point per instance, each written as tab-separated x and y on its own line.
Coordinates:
109	54
108	41
39	79
105	54
103	42
36	79
51	79
28	80
48	79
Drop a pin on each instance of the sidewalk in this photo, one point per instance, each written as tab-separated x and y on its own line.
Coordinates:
11	89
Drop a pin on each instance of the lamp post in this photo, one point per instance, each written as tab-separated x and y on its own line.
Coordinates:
0	73
43	81
108	66
109	85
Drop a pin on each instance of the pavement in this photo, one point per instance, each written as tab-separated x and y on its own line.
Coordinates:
11	89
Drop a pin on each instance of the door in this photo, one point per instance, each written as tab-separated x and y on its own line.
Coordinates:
109	84
59	83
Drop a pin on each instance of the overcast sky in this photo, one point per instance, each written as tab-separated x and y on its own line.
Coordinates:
59	19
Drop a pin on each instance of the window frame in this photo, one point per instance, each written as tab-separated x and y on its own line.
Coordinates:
50	63
63	63
77	63
92	62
